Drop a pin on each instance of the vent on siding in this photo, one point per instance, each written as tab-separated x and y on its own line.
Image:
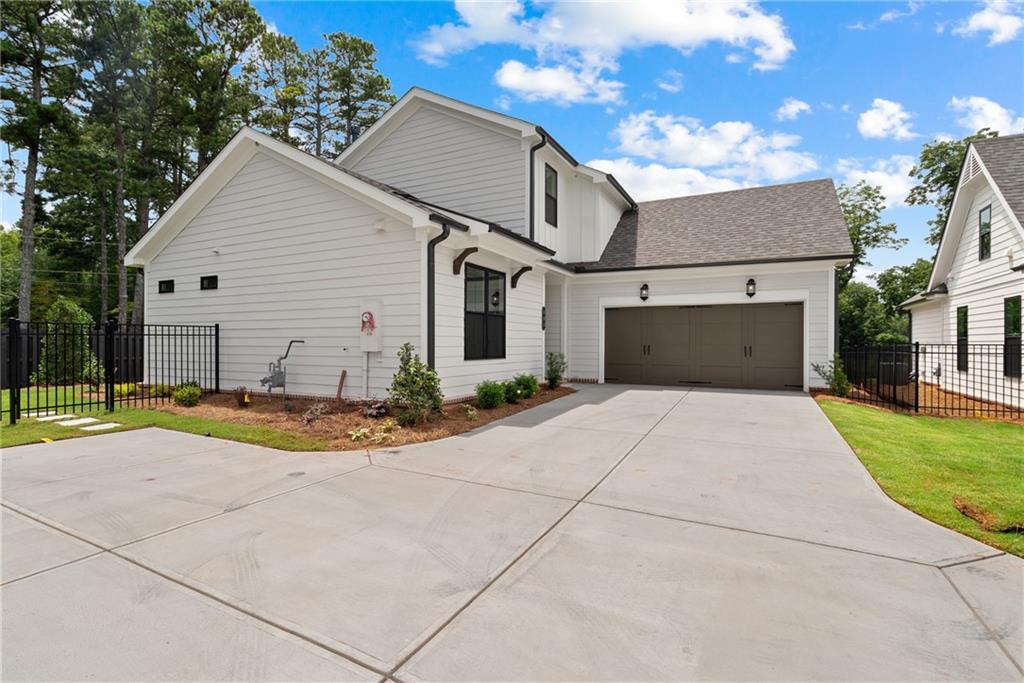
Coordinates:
972	167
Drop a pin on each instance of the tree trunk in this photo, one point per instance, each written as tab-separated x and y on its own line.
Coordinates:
104	266
142	217
121	225
28	207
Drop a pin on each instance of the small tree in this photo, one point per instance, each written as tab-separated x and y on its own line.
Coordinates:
554	369
415	388
834	375
64	355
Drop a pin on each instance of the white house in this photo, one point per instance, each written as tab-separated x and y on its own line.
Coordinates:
482	241
973	300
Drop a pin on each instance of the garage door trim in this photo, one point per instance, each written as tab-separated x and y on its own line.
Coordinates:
777	296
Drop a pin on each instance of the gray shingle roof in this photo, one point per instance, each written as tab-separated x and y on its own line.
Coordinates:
779	222
1004	159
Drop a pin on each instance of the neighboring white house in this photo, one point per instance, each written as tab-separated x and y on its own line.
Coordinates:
479	239
973	300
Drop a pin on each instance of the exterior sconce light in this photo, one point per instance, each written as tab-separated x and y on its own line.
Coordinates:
494	299
751	287
645	292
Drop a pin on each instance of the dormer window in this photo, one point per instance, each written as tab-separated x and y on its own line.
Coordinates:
985	233
550	196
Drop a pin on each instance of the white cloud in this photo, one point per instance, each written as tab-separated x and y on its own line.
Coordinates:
1002	20
980	112
894	14
588	38
503	102
736	149
656	181
885	119
670	81
791	108
558	84
864	275
892	175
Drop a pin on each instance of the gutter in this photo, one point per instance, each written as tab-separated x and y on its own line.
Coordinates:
583	268
446	230
533	172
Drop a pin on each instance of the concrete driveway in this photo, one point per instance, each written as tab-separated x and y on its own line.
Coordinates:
622	533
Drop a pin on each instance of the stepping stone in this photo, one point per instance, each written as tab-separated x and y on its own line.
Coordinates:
96	428
51	418
79	421
37	414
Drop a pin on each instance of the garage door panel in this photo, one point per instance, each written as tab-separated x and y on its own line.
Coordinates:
720	345
669	346
623	354
775	337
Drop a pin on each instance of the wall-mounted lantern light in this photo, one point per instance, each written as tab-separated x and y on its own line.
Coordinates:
751	287
645	292
494	299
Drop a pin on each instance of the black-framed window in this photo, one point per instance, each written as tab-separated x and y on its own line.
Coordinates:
1011	337
208	282
550	195
484	313
985	233
961	338
165	287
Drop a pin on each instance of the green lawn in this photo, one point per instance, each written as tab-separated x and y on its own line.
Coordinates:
31	431
31	397
925	462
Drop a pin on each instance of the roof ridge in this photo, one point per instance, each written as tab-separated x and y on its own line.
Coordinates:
740	189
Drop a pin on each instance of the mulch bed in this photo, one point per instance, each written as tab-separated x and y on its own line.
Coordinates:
956	405
344	417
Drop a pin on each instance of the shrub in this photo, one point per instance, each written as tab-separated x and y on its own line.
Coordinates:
470	411
554	369
315	412
64	354
92	372
834	375
512	391
415	388
159	391
124	389
528	384
187	394
384	432
360	434
376	409
490	394
242	396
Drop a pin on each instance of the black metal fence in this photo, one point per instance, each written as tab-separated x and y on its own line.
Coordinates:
58	368
968	380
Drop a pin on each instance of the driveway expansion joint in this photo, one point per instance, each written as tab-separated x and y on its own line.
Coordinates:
993	636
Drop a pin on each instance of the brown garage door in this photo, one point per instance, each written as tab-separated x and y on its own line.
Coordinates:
750	346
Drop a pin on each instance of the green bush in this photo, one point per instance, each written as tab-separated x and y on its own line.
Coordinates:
124	389
415	388
64	355
512	391
92	372
490	394
528	385
834	375
554	369
159	391
187	395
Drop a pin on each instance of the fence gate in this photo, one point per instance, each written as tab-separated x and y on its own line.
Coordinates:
60	368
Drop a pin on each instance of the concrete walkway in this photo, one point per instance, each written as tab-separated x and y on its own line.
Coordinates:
620	533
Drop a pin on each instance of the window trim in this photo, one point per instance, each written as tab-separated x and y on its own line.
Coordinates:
554	198
961	341
1012	342
985	234
165	287
208	282
486	314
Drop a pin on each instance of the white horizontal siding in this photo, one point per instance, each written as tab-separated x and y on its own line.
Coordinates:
585	293
524	338
296	260
446	160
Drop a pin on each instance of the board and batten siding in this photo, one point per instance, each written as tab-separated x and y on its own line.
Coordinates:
524	339
586	292
446	160
553	304
296	260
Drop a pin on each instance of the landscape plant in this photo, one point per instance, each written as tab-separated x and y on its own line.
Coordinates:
64	355
512	391
528	385
159	391
375	409
490	394
124	389
315	412
554	369
834	375
187	394
415	388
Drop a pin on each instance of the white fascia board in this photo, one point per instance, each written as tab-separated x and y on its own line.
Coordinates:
698	272
239	150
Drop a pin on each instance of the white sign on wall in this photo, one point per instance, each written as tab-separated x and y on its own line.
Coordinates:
369	326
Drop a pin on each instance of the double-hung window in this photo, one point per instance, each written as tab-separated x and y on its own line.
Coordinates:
1011	337
961	339
550	195
484	313
985	233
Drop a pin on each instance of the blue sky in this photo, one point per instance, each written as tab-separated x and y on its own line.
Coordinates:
678	98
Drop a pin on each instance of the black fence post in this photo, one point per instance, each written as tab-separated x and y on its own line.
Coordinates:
917	378
13	363
108	364
216	358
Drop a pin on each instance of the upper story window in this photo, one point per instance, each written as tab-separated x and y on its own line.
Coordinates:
208	282
166	287
1011	337
550	195
484	313
985	233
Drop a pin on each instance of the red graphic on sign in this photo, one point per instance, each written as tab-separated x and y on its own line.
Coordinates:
367	324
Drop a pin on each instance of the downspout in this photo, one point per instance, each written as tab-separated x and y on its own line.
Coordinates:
533	172
446	231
